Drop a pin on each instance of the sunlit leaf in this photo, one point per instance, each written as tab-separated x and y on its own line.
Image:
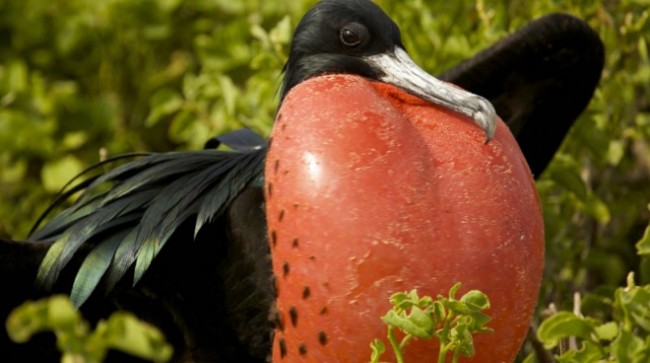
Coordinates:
562	325
56	174
643	245
607	331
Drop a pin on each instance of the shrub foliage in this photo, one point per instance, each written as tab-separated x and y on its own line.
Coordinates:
82	79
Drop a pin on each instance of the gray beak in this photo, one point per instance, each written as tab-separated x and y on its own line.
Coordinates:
399	70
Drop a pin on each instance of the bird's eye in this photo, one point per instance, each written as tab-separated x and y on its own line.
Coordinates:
353	34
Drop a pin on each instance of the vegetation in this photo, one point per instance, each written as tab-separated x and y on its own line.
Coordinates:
452	322
82	79
78	344
623	340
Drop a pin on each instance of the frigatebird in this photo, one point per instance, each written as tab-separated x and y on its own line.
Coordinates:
180	238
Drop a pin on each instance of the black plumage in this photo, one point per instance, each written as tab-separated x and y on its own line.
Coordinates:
179	238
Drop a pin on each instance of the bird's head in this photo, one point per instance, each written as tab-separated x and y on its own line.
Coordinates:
357	37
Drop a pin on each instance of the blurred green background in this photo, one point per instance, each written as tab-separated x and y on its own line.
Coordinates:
83	79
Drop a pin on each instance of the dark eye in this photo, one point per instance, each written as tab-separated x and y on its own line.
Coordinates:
353	34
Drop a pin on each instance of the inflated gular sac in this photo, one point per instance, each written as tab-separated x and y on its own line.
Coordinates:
372	191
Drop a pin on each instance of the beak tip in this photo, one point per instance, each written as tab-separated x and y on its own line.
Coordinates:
490	130
486	117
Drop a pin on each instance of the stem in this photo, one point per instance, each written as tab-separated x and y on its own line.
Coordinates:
442	354
405	341
443	338
396	348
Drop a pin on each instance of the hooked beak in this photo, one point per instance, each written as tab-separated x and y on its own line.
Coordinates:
398	69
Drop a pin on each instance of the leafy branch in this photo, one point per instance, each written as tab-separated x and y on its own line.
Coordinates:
624	339
451	321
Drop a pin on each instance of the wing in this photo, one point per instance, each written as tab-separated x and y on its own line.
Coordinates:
539	79
126	216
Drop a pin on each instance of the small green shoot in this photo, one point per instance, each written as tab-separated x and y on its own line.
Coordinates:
451	321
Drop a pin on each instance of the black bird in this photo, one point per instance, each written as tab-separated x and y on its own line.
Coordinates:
190	226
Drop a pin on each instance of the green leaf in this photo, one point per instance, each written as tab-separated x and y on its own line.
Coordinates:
124	332
627	347
562	325
632	305
378	349
476	300
16	76
643	245
460	336
165	102
404	300
615	152
607	331
73	140
565	173
36	316
229	93
438	311
597	208
55	174
417	323
454	289
281	32
589	353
